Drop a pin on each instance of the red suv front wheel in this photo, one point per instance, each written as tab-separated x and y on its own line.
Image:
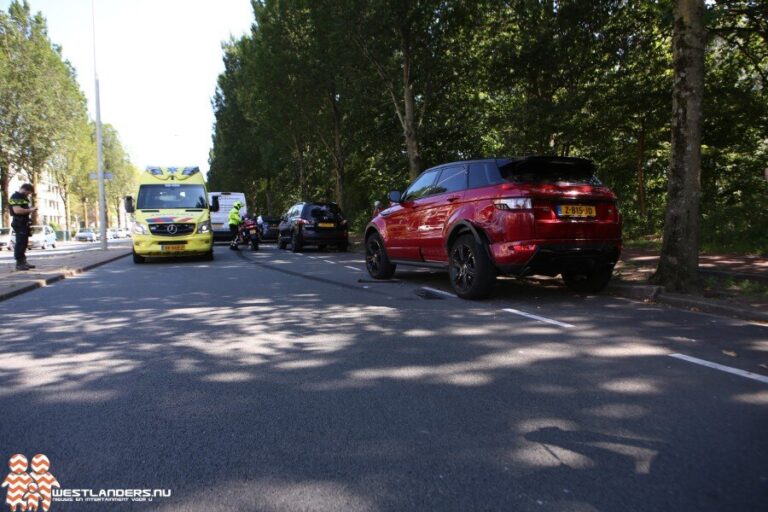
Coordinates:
376	260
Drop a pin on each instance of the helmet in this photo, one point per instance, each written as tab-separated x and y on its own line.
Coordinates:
237	205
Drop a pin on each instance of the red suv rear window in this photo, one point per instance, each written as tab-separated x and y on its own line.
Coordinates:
551	171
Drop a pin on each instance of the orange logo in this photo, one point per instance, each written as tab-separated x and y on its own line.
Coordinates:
28	491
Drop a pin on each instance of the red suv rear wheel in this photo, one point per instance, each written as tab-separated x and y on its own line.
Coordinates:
470	269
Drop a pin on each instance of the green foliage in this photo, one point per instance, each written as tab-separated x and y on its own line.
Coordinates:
44	125
312	103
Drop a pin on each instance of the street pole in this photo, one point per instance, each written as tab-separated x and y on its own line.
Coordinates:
99	141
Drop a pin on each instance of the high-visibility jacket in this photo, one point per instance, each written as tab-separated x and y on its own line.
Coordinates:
234	216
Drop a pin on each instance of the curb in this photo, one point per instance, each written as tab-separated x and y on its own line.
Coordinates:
40	283
704	306
651	293
644	292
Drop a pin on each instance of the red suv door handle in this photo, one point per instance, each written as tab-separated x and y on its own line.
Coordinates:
453	198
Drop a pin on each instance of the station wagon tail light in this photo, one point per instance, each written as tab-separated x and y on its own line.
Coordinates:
513	203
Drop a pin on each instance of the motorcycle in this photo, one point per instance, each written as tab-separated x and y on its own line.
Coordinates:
250	233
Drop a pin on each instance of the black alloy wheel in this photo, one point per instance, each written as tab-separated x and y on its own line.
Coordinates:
469	268
376	260
590	282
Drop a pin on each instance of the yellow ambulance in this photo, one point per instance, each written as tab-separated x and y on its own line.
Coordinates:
172	216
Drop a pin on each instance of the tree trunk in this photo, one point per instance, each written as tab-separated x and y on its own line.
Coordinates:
268	193
338	150
641	178
678	266
35	185
409	106
67	226
299	150
4	195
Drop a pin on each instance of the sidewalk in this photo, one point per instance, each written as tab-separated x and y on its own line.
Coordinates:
53	268
734	285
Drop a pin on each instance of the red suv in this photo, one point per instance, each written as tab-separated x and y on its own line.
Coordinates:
514	216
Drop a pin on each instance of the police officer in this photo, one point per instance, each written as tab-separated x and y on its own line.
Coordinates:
21	208
234	224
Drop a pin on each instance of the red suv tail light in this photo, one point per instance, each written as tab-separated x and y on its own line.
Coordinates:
513	203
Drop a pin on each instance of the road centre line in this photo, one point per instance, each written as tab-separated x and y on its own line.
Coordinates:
722	368
352	268
441	292
537	317
329	261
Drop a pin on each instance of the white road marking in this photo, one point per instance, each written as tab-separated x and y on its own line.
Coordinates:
352	268
441	292
539	318
722	368
329	261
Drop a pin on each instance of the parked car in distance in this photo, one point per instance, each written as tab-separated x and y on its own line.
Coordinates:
6	239
269	227
320	224
41	237
512	216
86	235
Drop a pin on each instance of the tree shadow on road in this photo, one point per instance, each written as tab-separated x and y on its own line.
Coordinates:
266	393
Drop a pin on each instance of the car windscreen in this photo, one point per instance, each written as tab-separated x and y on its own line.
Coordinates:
5	231
543	171
324	211
37	231
171	195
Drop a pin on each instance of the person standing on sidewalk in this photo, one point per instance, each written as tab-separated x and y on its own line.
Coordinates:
21	208
234	224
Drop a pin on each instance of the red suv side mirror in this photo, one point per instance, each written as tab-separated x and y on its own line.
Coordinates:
395	196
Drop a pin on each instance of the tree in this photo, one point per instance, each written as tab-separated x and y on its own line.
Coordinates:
678	266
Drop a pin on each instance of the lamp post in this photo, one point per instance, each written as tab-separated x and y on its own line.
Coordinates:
99	142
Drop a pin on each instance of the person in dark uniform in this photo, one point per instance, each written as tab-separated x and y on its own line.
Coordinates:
21	208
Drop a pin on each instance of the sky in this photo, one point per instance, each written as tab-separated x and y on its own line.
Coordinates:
157	61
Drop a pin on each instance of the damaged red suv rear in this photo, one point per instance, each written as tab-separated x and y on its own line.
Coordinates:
513	216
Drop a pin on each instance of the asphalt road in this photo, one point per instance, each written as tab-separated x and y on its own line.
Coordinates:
277	381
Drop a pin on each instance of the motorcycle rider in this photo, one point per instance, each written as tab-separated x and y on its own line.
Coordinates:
234	224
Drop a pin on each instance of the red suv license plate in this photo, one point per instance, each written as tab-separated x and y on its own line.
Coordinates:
576	210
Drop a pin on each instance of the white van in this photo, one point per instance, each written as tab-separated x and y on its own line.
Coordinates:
220	218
